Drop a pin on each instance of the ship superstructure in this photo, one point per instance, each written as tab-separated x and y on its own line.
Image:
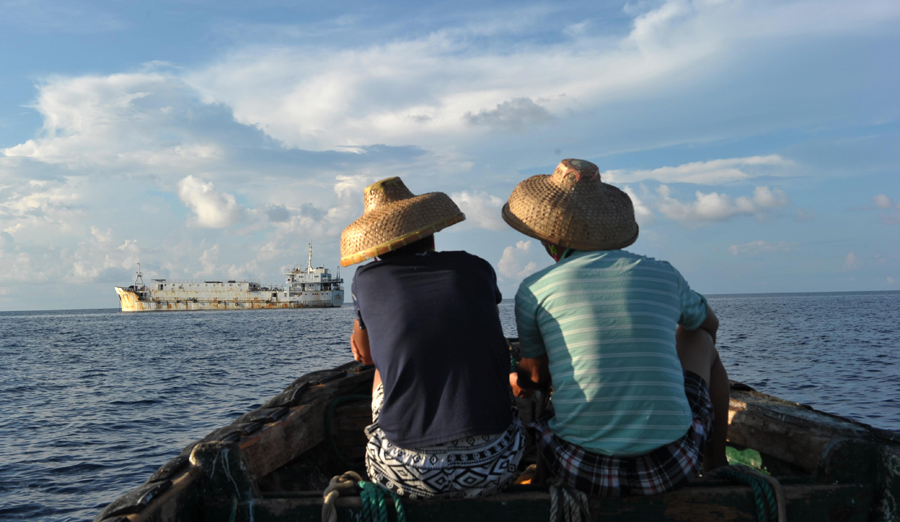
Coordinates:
312	287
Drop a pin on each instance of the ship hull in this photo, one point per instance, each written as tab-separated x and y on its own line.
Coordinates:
131	302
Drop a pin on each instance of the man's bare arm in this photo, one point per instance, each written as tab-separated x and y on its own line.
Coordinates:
711	324
359	344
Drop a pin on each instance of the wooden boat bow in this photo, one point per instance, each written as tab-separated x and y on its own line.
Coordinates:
272	464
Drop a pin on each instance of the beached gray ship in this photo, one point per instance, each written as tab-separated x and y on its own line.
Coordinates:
303	288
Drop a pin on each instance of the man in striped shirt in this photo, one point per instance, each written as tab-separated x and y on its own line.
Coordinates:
640	395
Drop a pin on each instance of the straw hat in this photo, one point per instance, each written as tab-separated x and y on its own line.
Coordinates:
573	208
394	217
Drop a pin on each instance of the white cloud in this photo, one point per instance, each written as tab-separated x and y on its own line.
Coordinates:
758	247
98	255
890	280
119	120
719	207
515	115
514	263
882	201
30	206
892	214
851	262
212	208
208	261
7	243
706	172
431	87
642	214
481	209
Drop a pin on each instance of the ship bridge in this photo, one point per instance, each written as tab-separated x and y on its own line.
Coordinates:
318	279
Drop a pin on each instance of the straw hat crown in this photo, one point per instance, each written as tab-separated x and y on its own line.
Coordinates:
393	217
573	208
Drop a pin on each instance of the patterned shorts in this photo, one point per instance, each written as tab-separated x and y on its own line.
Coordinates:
661	470
468	467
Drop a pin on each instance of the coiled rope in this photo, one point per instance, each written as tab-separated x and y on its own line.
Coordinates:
574	506
768	494
374	506
371	496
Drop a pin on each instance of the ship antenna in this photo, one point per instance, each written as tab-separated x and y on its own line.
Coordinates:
309	268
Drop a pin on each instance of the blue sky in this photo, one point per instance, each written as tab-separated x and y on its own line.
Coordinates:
760	141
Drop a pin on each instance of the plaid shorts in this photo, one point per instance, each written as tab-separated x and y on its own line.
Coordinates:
661	470
467	467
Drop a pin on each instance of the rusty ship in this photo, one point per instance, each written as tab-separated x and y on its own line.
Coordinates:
303	288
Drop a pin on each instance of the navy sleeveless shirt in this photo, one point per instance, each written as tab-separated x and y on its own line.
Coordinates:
435	336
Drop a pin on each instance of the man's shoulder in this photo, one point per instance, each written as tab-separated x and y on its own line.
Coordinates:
645	260
575	266
452	258
463	258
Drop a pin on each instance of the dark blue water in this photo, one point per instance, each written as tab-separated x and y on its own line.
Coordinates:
93	401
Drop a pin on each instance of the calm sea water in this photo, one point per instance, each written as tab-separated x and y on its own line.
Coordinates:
93	401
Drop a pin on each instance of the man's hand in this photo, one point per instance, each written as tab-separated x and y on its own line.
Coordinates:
516	389
532	374
359	344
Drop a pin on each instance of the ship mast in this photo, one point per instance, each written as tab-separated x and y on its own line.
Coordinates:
309	267
139	277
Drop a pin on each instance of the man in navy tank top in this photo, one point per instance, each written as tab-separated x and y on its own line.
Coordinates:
443	422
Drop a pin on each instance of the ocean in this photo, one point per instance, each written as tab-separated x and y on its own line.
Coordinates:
94	401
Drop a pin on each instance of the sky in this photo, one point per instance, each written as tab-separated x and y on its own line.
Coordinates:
758	140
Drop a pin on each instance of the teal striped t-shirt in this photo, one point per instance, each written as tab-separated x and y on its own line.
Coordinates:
607	322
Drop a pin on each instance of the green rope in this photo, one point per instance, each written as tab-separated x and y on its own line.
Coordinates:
763	496
374	507
398	506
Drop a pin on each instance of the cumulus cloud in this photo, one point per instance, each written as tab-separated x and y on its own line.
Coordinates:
7	243
758	247
851	262
212	208
321	221
719	207
433	85
481	209
642	214
121	119
277	213
706	172
514	115
514	263
892	214
36	205
882	201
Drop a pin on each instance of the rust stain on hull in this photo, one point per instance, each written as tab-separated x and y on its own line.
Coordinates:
130	302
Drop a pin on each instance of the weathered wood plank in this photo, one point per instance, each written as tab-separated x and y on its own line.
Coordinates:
179	502
278	443
786	430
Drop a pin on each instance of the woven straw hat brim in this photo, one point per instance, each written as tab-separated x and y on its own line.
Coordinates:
394	225
601	219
